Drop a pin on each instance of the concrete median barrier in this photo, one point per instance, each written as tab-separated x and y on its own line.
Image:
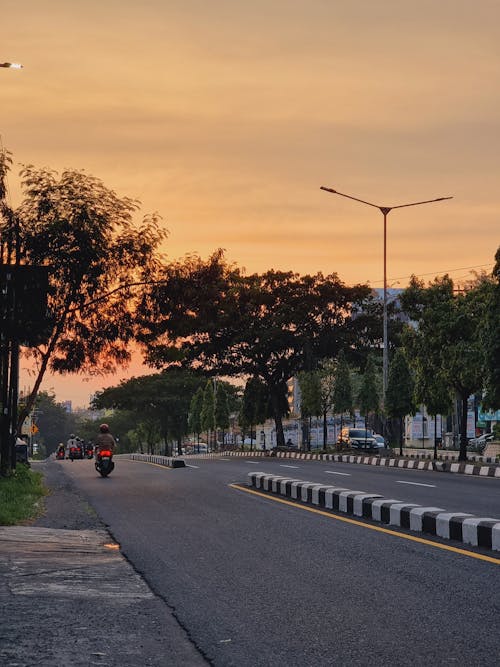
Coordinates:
458	526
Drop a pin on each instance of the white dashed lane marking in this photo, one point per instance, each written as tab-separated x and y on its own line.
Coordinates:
285	466
400	481
334	472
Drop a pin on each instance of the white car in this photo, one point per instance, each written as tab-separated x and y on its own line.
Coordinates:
380	440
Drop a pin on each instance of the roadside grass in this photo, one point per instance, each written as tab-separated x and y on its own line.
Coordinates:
20	496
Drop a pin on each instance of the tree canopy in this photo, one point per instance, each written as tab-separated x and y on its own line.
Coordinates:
211	315
448	337
163	399
84	232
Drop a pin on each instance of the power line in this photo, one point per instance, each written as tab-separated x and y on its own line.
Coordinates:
434	273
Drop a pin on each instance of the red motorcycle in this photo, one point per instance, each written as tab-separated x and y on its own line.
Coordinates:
104	462
60	454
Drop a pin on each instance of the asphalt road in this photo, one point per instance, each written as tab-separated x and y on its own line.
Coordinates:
256	582
453	492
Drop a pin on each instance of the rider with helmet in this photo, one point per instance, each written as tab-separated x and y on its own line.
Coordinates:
105	440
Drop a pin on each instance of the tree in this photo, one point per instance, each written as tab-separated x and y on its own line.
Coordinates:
310	402
208	410
342	390
327	381
221	415
399	396
195	408
52	421
84	233
254	405
161	401
368	396
432	390
449	337
490	337
210	315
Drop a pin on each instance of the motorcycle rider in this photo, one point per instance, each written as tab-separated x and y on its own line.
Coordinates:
104	440
71	444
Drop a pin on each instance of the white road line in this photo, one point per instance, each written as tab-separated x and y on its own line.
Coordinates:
432	486
254	463
284	466
334	472
188	465
225	459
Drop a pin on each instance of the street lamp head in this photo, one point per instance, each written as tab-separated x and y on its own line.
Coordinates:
12	65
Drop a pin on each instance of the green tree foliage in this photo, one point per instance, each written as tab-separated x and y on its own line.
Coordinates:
221	415
52	421
161	401
342	389
310	401
449	335
208	409
399	396
491	337
310	391
368	396
254	406
327	370
195	407
431	387
209	314
85	234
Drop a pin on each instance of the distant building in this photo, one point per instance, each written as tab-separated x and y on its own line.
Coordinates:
68	406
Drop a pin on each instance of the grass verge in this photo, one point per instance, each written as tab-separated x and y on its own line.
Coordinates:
20	496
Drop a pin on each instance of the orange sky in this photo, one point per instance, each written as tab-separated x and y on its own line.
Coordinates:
226	118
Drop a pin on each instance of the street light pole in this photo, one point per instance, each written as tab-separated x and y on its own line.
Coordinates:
385	210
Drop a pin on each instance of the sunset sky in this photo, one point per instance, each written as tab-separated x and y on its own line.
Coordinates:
227	117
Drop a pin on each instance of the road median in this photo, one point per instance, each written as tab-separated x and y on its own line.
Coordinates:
457	526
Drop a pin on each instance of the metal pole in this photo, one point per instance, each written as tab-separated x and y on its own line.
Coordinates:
385	352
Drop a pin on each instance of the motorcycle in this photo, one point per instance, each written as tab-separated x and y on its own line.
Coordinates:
104	462
89	451
60	454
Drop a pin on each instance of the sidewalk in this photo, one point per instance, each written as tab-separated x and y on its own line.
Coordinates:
69	597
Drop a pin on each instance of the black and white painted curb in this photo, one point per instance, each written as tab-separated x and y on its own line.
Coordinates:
466	528
167	461
411	464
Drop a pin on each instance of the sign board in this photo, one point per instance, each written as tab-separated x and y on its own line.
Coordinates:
23	302
26	427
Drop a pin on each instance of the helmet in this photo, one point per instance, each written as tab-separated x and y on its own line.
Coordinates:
104	428
72	435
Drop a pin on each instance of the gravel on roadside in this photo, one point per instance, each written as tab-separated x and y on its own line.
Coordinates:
64	507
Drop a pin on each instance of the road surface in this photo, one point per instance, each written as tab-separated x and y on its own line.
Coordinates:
256	582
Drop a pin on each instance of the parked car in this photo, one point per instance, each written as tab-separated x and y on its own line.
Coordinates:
380	440
357	438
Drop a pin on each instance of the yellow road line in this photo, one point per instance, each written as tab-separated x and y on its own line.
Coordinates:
387	531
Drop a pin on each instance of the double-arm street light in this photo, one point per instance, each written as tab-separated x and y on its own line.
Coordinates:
385	210
11	65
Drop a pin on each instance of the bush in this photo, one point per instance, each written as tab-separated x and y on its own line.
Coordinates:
496	431
20	496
